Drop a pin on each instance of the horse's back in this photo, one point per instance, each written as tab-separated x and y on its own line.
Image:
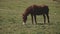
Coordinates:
38	10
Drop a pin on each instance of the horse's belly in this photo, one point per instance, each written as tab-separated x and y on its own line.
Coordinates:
38	13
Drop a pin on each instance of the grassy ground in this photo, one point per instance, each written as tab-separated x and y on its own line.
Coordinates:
11	17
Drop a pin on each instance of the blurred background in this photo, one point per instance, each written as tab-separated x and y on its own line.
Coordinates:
11	17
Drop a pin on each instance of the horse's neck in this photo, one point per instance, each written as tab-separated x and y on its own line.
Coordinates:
26	14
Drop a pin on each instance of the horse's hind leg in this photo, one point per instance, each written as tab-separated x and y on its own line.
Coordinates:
44	19
48	18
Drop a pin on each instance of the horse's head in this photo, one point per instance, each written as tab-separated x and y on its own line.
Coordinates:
24	18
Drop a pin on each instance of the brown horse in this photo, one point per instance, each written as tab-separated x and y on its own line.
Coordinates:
36	10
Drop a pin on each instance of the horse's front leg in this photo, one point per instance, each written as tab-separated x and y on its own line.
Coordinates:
35	19
32	18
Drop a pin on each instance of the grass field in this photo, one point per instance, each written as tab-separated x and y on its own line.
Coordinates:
11	17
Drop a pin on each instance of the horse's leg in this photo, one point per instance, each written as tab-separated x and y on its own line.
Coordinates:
35	19
44	19
47	17
32	18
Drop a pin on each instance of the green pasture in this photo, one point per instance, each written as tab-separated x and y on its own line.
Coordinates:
11	17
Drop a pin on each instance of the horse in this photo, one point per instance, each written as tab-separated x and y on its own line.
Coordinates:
34	10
